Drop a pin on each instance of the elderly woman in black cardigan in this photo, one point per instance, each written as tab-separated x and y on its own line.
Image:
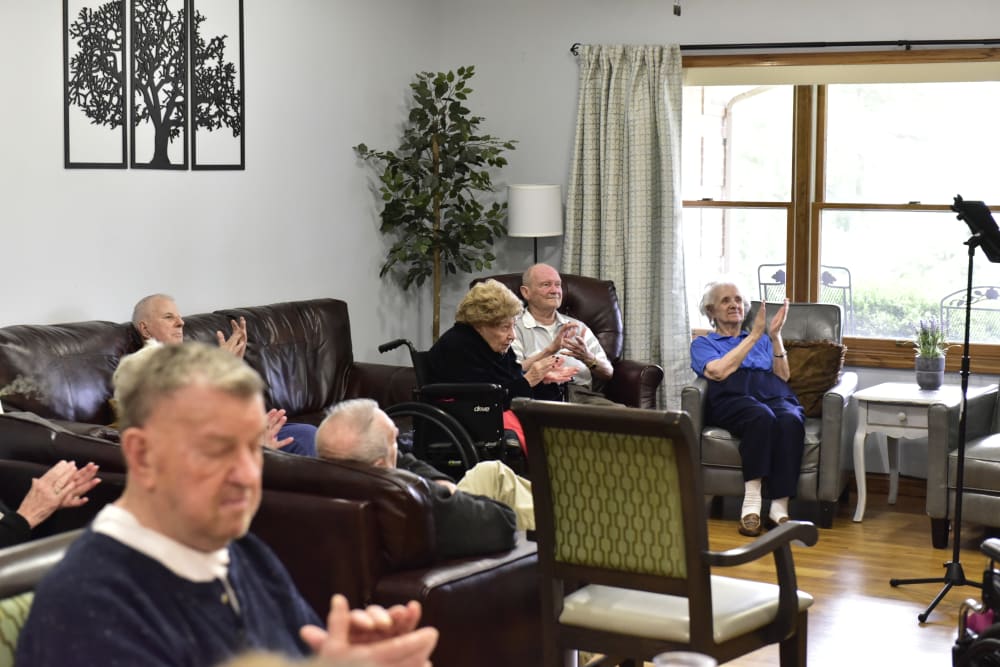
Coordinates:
62	485
477	349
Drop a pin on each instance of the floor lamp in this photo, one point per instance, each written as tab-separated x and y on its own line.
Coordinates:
985	235
534	211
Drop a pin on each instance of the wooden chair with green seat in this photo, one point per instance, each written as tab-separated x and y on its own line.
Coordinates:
624	562
21	568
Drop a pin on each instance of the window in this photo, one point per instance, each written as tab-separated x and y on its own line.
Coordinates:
841	192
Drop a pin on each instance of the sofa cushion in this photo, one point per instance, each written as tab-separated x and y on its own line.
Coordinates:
815	367
69	364
303	351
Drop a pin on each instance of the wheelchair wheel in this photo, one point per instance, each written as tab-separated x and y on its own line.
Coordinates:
983	652
448	425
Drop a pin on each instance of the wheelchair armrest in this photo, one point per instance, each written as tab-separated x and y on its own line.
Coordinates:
991	548
466	390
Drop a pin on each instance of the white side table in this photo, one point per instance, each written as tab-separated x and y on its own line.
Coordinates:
899	410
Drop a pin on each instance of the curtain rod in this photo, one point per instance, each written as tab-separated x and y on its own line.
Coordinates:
902	43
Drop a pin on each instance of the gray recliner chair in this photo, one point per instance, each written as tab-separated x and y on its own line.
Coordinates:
981	495
823	479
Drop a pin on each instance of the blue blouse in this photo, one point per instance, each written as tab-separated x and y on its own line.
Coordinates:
715	346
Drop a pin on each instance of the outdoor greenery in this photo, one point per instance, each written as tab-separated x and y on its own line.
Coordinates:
432	183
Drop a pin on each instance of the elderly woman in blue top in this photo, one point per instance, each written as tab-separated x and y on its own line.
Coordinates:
748	395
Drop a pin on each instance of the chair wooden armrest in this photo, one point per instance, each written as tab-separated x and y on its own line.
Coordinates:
777	542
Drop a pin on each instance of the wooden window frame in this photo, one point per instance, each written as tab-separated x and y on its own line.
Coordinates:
808	188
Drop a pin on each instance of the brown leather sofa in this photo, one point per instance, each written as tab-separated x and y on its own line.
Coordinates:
360	531
595	303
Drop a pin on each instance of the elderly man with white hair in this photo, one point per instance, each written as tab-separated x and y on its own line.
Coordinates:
168	574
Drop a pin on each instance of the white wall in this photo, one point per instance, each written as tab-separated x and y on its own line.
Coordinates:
323	75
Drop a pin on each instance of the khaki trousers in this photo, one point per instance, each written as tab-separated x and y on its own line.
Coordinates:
495	480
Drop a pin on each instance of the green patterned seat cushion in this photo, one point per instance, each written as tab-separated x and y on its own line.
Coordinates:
13	614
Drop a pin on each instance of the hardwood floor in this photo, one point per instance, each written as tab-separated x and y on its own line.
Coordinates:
858	618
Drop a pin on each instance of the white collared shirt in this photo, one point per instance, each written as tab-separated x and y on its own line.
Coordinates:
532	337
198	566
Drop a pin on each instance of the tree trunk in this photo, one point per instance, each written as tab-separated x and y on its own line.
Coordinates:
436	154
161	142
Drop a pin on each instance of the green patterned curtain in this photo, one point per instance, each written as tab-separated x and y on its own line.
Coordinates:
623	210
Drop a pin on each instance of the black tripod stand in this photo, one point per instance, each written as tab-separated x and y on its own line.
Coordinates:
986	235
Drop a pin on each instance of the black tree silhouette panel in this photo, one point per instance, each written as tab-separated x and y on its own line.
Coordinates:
217	84
94	76
159	84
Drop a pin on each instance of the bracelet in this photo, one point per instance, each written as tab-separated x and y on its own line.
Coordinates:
591	364
780	356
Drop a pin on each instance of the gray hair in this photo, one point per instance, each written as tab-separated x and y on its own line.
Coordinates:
359	439
141	310
145	378
708	296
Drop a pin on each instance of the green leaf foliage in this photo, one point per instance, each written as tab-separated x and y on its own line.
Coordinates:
432	197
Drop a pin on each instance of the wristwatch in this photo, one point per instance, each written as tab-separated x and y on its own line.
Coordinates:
592	363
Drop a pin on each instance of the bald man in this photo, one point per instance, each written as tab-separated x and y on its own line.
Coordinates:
478	515
157	319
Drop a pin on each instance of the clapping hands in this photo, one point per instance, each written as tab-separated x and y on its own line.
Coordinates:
372	636
62	485
237	342
559	371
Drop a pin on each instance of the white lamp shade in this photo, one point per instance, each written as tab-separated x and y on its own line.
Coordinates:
534	210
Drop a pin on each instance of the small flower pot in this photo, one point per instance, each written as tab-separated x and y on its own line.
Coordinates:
930	372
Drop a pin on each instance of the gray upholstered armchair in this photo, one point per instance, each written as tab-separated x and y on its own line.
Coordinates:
828	438
981	497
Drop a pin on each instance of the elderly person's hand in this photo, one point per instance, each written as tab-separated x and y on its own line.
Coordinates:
576	347
564	339
560	372
62	485
237	342
375	636
275	420
80	484
540	369
778	321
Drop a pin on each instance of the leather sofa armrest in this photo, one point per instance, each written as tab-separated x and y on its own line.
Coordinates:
384	383
693	399
634	384
505	631
328	545
23	566
942	438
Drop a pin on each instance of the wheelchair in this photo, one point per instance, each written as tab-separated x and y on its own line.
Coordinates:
455	425
978	642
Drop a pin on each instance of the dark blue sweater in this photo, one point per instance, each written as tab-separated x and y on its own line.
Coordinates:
107	604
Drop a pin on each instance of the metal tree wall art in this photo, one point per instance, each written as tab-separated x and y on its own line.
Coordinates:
159	84
94	78
217	85
160	40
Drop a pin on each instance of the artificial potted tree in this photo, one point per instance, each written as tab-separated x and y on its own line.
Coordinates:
432	185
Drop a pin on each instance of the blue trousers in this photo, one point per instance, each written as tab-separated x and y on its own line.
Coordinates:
760	409
304	443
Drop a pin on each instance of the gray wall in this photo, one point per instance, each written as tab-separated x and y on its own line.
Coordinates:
323	75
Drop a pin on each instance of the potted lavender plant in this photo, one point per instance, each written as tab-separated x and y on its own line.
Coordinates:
930	347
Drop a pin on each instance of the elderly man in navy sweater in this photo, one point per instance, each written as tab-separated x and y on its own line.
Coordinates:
168	574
